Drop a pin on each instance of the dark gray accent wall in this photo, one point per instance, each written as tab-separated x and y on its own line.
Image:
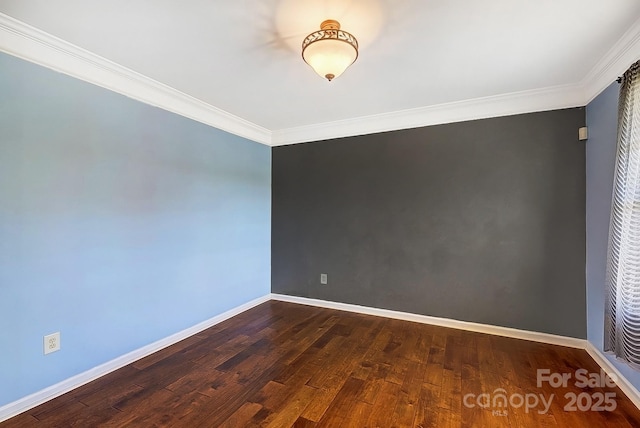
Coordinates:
480	221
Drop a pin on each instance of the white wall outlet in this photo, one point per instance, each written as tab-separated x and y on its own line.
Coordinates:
52	343
323	278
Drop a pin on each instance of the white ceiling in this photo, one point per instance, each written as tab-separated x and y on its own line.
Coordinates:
418	58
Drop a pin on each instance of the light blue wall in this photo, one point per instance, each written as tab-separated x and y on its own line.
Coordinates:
602	115
120	224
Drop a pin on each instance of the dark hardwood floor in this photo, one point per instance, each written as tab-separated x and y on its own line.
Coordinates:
282	365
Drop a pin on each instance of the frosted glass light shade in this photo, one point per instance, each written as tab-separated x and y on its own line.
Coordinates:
330	51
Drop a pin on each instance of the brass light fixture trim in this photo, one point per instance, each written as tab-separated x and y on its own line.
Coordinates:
330	30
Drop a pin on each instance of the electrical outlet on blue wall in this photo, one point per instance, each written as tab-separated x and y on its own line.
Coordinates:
134	227
52	343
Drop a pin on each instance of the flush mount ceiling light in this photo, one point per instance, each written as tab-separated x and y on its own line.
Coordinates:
330	50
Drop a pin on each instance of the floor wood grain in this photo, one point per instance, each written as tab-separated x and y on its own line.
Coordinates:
286	365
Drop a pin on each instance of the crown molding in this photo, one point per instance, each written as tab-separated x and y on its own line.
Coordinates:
615	62
553	98
29	43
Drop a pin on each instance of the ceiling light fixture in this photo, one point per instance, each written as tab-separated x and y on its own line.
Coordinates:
330	50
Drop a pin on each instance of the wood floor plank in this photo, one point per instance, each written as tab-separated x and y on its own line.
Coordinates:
21	421
382	414
409	397
345	399
112	395
374	382
213	351
304	423
323	399
359	412
70	407
149	360
435	362
287	365
290	410
242	416
427	407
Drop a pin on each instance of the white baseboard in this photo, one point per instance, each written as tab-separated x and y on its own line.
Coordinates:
15	408
624	384
443	322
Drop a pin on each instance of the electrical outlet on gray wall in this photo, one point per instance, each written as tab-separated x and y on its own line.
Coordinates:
323	278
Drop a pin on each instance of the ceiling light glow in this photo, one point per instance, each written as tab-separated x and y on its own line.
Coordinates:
330	50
